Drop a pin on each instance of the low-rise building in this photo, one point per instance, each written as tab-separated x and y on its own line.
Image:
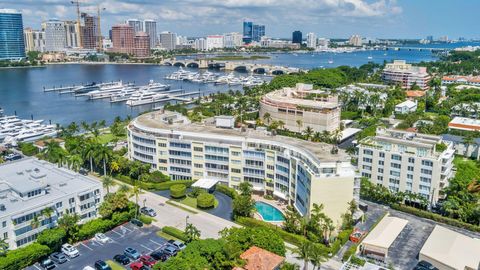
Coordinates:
301	107
463	123
449	250
214	42
462	147
405	107
260	259
406	75
467	80
299	172
29	186
407	162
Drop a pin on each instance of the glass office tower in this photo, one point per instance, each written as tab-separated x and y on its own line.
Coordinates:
12	45
247	32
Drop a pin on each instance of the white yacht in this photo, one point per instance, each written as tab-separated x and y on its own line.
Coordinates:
145	97
13	130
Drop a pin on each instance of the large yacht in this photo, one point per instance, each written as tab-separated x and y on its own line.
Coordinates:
145	97
14	129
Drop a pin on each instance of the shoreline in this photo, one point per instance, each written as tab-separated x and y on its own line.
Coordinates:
40	66
101	63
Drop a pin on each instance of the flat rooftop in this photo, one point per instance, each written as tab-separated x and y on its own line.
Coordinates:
453	249
281	96
464	123
385	232
30	174
153	121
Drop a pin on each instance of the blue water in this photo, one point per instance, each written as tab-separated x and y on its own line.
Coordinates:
268	212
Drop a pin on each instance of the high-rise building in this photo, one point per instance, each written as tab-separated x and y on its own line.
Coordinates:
200	44
406	75
141	44
297	37
214	42
12	43
90	32
311	40
72	33
182	40
123	38
247	32
150	27
54	36
34	40
233	40
136	24
300	172
355	40
258	31
168	40
407	162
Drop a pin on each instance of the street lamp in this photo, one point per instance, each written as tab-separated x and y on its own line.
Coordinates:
144	201
186	221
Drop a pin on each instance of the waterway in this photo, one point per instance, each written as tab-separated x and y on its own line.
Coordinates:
21	90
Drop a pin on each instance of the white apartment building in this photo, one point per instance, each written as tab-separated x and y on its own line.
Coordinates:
311	108
311	40
297	171
72	34
29	186
407	162
34	40
200	44
464	80
464	123
214	42
136	24
233	40
408	106
150	27
55	38
168	40
406	75
355	40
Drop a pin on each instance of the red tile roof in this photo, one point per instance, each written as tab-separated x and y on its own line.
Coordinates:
415	93
261	259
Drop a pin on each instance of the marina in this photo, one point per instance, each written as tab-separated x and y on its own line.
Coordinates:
210	77
14	130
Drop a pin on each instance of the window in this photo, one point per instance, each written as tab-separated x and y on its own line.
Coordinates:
235	153
4	224
427	163
395	173
366	167
410	168
367	152
271	167
197	165
409	176
380	170
381	154
397	157
381	162
162	161
71	200
236	170
5	235
367	160
380	178
425	171
198	149
162	145
425	180
395	165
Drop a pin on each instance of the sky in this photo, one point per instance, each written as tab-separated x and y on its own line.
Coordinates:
326	18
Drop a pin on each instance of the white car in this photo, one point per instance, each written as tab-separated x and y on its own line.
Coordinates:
102	238
70	251
88	268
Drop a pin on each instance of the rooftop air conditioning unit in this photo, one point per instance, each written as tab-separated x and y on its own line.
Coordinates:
2	207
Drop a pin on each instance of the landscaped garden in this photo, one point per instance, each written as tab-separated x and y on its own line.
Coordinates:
195	197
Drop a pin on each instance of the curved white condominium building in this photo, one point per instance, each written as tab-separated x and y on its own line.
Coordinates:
300	172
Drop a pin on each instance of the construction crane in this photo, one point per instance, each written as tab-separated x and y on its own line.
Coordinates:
99	33
80	39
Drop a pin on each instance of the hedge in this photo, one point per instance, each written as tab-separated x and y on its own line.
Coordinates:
90	228
230	192
205	200
178	191
436	217
175	233
350	251
23	257
52	238
286	236
146	219
153	185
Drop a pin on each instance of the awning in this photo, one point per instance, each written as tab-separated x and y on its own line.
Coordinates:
205	183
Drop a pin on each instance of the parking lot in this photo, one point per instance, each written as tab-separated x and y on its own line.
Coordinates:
144	240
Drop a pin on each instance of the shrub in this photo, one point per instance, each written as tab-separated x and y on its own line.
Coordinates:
350	251
205	200
175	233
52	238
28	149
357	261
178	191
153	185
230	192
122	217
158	177
90	228
146	219
23	257
195	192
286	236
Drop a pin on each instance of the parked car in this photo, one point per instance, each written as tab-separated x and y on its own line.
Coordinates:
11	157
88	267
170	250
47	264
147	260
136	222
102	238
131	253
138	266
120	258
58	257
423	265
159	255
357	235
101	265
177	244
83	171
70	250
148	211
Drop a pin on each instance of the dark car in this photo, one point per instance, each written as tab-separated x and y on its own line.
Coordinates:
120	258
148	211
159	255
423	265
47	264
58	257
101	265
170	250
136	222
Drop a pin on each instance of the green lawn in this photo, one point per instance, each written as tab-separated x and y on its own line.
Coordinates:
167	236
114	265
181	207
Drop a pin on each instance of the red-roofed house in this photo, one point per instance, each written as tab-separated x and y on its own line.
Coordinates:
260	259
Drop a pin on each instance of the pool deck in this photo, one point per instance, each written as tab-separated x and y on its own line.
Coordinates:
282	207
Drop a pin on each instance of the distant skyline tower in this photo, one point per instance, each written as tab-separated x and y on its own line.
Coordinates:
12	44
55	38
297	37
90	31
123	38
72	33
136	24
311	40
247	32
258	31
168	40
150	27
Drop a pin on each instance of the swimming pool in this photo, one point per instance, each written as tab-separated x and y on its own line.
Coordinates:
269	212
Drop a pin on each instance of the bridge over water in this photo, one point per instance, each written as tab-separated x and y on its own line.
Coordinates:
231	66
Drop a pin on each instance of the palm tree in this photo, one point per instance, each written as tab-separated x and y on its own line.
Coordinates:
90	153
303	253
3	246
75	162
136	191
267	117
281	124
73	128
192	233
308	132
35	222
124	188
85	126
104	154
114	167
61	157
299	124
317	256
108	182
51	150
48	212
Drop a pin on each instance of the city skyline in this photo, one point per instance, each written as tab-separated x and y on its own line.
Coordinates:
328	18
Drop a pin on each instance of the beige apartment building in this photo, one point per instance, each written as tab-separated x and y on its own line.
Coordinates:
407	162
302	107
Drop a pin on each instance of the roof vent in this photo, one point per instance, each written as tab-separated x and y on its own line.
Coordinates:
62	184
19	173
2	207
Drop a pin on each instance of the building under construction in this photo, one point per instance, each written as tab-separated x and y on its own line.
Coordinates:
90	31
